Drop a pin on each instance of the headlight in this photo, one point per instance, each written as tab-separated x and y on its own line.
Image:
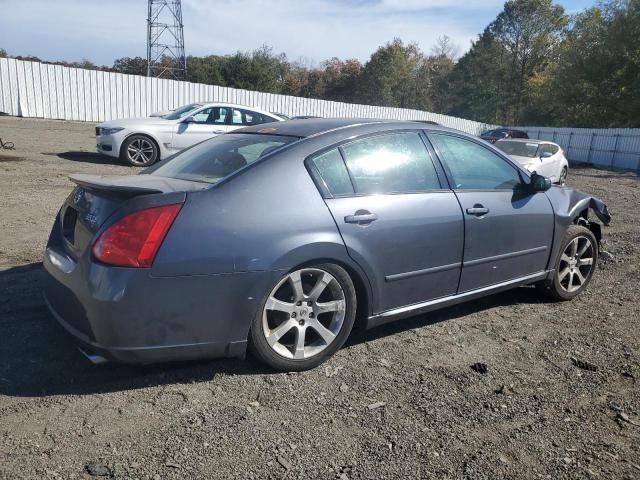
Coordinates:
109	131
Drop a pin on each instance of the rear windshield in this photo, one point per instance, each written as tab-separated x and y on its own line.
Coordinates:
520	149
182	111
212	160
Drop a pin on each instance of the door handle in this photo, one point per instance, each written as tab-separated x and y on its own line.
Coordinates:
361	217
218	131
478	210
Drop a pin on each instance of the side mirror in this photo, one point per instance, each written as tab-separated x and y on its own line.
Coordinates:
546	155
540	183
189	119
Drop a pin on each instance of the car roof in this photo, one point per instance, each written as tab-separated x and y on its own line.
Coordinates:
315	126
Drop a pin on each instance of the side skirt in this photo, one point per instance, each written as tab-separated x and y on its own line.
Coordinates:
423	307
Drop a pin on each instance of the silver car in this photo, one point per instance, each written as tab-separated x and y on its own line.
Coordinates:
143	141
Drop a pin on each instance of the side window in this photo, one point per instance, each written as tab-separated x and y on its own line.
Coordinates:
334	172
219	115
236	118
474	167
211	115
254	118
552	149
392	163
203	115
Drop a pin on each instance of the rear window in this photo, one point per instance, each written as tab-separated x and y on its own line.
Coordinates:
212	160
519	149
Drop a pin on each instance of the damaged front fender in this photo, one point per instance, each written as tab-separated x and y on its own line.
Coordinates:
571	206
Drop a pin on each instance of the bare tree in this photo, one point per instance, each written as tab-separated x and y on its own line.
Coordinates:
444	47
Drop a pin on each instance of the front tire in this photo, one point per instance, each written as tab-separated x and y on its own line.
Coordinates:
575	264
305	318
139	151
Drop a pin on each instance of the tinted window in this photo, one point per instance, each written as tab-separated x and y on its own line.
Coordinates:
472	166
397	162
214	159
211	115
333	172
247	117
519	134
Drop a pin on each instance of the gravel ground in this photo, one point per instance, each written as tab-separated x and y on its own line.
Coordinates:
401	401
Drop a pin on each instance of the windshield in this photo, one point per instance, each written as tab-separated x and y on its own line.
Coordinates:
214	159
182	111
519	149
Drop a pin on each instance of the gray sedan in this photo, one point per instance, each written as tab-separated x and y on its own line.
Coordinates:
278	237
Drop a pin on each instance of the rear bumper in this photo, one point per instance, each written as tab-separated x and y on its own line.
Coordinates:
126	315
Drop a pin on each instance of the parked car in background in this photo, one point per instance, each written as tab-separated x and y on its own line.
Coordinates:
277	238
540	156
143	141
492	136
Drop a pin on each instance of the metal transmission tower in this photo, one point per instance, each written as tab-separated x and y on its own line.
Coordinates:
165	40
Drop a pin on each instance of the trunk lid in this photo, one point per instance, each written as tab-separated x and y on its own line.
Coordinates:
96	198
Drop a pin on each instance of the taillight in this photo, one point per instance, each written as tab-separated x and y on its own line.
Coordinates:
134	240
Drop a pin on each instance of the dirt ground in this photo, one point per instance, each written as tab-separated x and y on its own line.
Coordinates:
400	401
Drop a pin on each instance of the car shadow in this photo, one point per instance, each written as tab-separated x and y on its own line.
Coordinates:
85	157
39	358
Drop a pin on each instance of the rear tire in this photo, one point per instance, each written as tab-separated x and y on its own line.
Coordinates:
575	264
305	318
562	180
139	151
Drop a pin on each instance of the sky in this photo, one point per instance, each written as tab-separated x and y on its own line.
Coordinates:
306	30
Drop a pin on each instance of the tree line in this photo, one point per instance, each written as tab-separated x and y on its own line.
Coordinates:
534	65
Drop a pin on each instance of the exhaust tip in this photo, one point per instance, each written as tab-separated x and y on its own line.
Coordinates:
93	358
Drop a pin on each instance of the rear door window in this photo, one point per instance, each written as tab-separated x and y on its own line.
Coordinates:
333	172
248	117
391	163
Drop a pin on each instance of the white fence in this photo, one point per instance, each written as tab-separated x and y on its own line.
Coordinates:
32	89
615	148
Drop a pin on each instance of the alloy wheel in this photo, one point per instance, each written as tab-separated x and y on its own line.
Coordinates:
140	151
563	176
304	313
576	264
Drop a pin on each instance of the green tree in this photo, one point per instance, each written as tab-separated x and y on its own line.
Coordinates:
131	65
388	78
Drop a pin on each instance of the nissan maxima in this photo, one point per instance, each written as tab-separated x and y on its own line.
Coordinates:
141	142
278	237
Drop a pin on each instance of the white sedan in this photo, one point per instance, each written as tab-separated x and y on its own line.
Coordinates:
143	141
545	158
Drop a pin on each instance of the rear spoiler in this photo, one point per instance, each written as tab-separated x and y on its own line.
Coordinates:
134	185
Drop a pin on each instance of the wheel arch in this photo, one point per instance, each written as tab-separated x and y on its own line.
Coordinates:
360	282
141	134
